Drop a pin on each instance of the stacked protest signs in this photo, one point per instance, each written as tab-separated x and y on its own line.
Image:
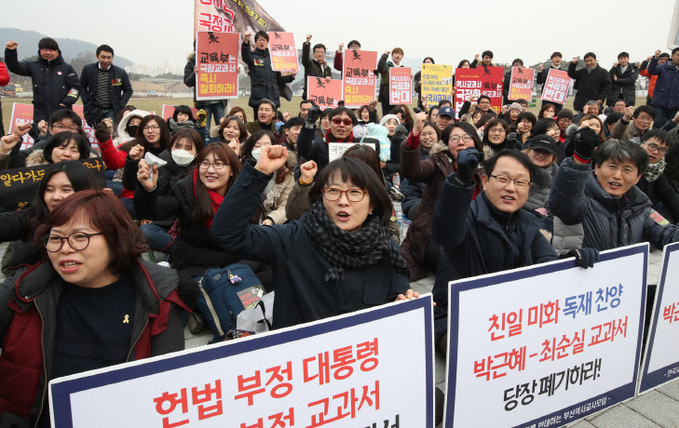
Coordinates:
437	83
324	92
545	345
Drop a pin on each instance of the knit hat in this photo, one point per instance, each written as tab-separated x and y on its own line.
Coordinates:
48	43
386	118
515	106
565	114
380	134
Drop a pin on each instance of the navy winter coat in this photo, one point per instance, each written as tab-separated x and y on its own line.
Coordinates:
119	89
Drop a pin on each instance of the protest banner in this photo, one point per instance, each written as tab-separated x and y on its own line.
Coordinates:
168	111
661	362
556	86
437	83
217	60
400	85
19	186
23	113
282	51
357	369
324	93
547	344
521	84
359	77
225	16
470	83
337	150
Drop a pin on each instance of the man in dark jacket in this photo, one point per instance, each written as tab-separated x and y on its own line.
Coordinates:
623	79
106	88
55	83
666	93
214	109
654	183
316	66
602	208
264	82
315	148
489	234
593	82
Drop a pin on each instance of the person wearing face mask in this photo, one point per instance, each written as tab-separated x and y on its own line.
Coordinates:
184	147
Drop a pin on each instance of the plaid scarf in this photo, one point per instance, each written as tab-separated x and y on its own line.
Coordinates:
654	170
350	250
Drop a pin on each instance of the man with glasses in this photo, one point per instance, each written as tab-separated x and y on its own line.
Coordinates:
488	234
263	80
653	182
315	148
633	130
601	207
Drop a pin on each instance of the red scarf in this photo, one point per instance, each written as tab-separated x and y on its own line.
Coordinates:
215	198
328	134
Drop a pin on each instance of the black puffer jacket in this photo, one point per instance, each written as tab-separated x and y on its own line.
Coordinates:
624	85
264	81
54	83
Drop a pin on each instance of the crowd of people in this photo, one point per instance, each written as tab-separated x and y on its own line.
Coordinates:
482	191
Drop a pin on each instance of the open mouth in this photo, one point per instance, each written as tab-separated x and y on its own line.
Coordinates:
69	266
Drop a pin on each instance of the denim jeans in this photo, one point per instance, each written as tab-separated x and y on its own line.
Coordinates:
156	236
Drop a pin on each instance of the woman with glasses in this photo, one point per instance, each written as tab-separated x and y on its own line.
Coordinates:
495	138
421	256
193	200
90	303
339	257
60	181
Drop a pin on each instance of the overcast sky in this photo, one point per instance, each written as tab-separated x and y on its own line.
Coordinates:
153	32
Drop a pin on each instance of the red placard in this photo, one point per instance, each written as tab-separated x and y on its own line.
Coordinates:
23	113
217	56
521	83
324	93
282	51
359	77
470	83
556	86
400	85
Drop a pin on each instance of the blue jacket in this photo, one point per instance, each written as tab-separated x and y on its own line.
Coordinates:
666	92
474	242
54	82
302	294
119	89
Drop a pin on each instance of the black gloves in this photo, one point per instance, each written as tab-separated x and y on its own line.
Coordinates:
586	140
312	117
467	164
101	133
584	257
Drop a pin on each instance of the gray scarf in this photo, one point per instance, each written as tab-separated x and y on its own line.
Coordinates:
654	170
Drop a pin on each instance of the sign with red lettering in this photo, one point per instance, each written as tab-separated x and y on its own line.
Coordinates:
470	83
556	86
357	370
661	363
521	84
226	16
282	51
359	77
23	113
547	344
217	61
400	85
325	93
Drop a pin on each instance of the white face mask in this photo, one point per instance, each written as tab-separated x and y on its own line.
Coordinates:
182	157
255	153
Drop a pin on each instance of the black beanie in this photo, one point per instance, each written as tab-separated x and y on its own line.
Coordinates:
48	43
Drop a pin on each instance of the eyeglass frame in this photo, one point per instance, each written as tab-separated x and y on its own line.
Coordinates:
516	181
151	128
45	240
654	147
465	138
205	164
346	192
342	121
59	126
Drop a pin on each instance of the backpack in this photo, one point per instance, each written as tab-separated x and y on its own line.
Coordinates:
226	292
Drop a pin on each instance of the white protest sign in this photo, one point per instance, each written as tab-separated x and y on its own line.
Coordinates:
547	344
357	369
337	150
661	363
